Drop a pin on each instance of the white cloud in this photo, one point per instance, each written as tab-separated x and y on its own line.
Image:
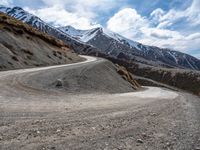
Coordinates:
171	39
191	15
193	12
164	24
58	16
87	8
155	30
130	24
194	36
127	22
99	4
157	14
78	13
161	33
6	2
197	56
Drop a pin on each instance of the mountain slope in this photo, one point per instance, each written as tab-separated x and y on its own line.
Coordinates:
35	115
185	79
21	46
119	47
39	24
109	43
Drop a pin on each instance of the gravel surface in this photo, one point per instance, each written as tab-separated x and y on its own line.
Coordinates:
40	115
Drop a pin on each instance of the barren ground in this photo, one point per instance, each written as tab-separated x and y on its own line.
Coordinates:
37	115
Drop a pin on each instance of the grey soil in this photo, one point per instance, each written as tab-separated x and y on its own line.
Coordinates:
42	113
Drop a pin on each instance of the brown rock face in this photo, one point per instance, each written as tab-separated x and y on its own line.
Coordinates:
127	76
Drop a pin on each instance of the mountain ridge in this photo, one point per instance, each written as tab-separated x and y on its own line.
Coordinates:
22	46
153	53
100	41
36	22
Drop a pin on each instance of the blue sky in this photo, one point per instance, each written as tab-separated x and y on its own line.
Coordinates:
173	24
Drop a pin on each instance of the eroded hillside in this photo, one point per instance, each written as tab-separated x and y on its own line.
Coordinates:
22	46
185	79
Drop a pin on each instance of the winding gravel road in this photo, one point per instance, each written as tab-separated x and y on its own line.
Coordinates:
37	115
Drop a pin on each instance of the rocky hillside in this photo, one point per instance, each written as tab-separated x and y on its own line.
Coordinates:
118	46
124	52
108	42
174	68
39	24
185	79
22	46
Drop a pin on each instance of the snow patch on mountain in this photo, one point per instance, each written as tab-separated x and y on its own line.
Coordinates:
26	17
82	35
108	42
87	35
131	48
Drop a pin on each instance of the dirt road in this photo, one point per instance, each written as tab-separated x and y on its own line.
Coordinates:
36	114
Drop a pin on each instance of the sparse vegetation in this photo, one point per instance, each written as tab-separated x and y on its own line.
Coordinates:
54	53
22	46
59	52
27	52
18	31
6	28
10	63
15	58
49	56
27	37
10	47
10	23
4	17
29	57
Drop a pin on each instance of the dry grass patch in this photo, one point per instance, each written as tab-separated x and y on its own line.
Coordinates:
12	24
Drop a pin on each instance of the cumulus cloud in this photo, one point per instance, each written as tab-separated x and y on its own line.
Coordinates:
157	14
86	8
172	39
78	13
193	12
6	2
161	33
193	36
89	4
161	28
58	16
156	30
127	22
191	15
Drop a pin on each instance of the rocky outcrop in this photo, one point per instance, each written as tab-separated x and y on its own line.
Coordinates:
126	75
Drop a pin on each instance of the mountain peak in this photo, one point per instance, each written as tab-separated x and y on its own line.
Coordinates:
10	10
81	35
68	27
108	42
17	8
99	28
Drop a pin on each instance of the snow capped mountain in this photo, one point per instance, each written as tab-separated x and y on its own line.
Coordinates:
101	40
82	35
120	47
87	35
24	16
39	24
73	32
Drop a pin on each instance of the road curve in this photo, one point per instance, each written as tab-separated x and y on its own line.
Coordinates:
43	118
